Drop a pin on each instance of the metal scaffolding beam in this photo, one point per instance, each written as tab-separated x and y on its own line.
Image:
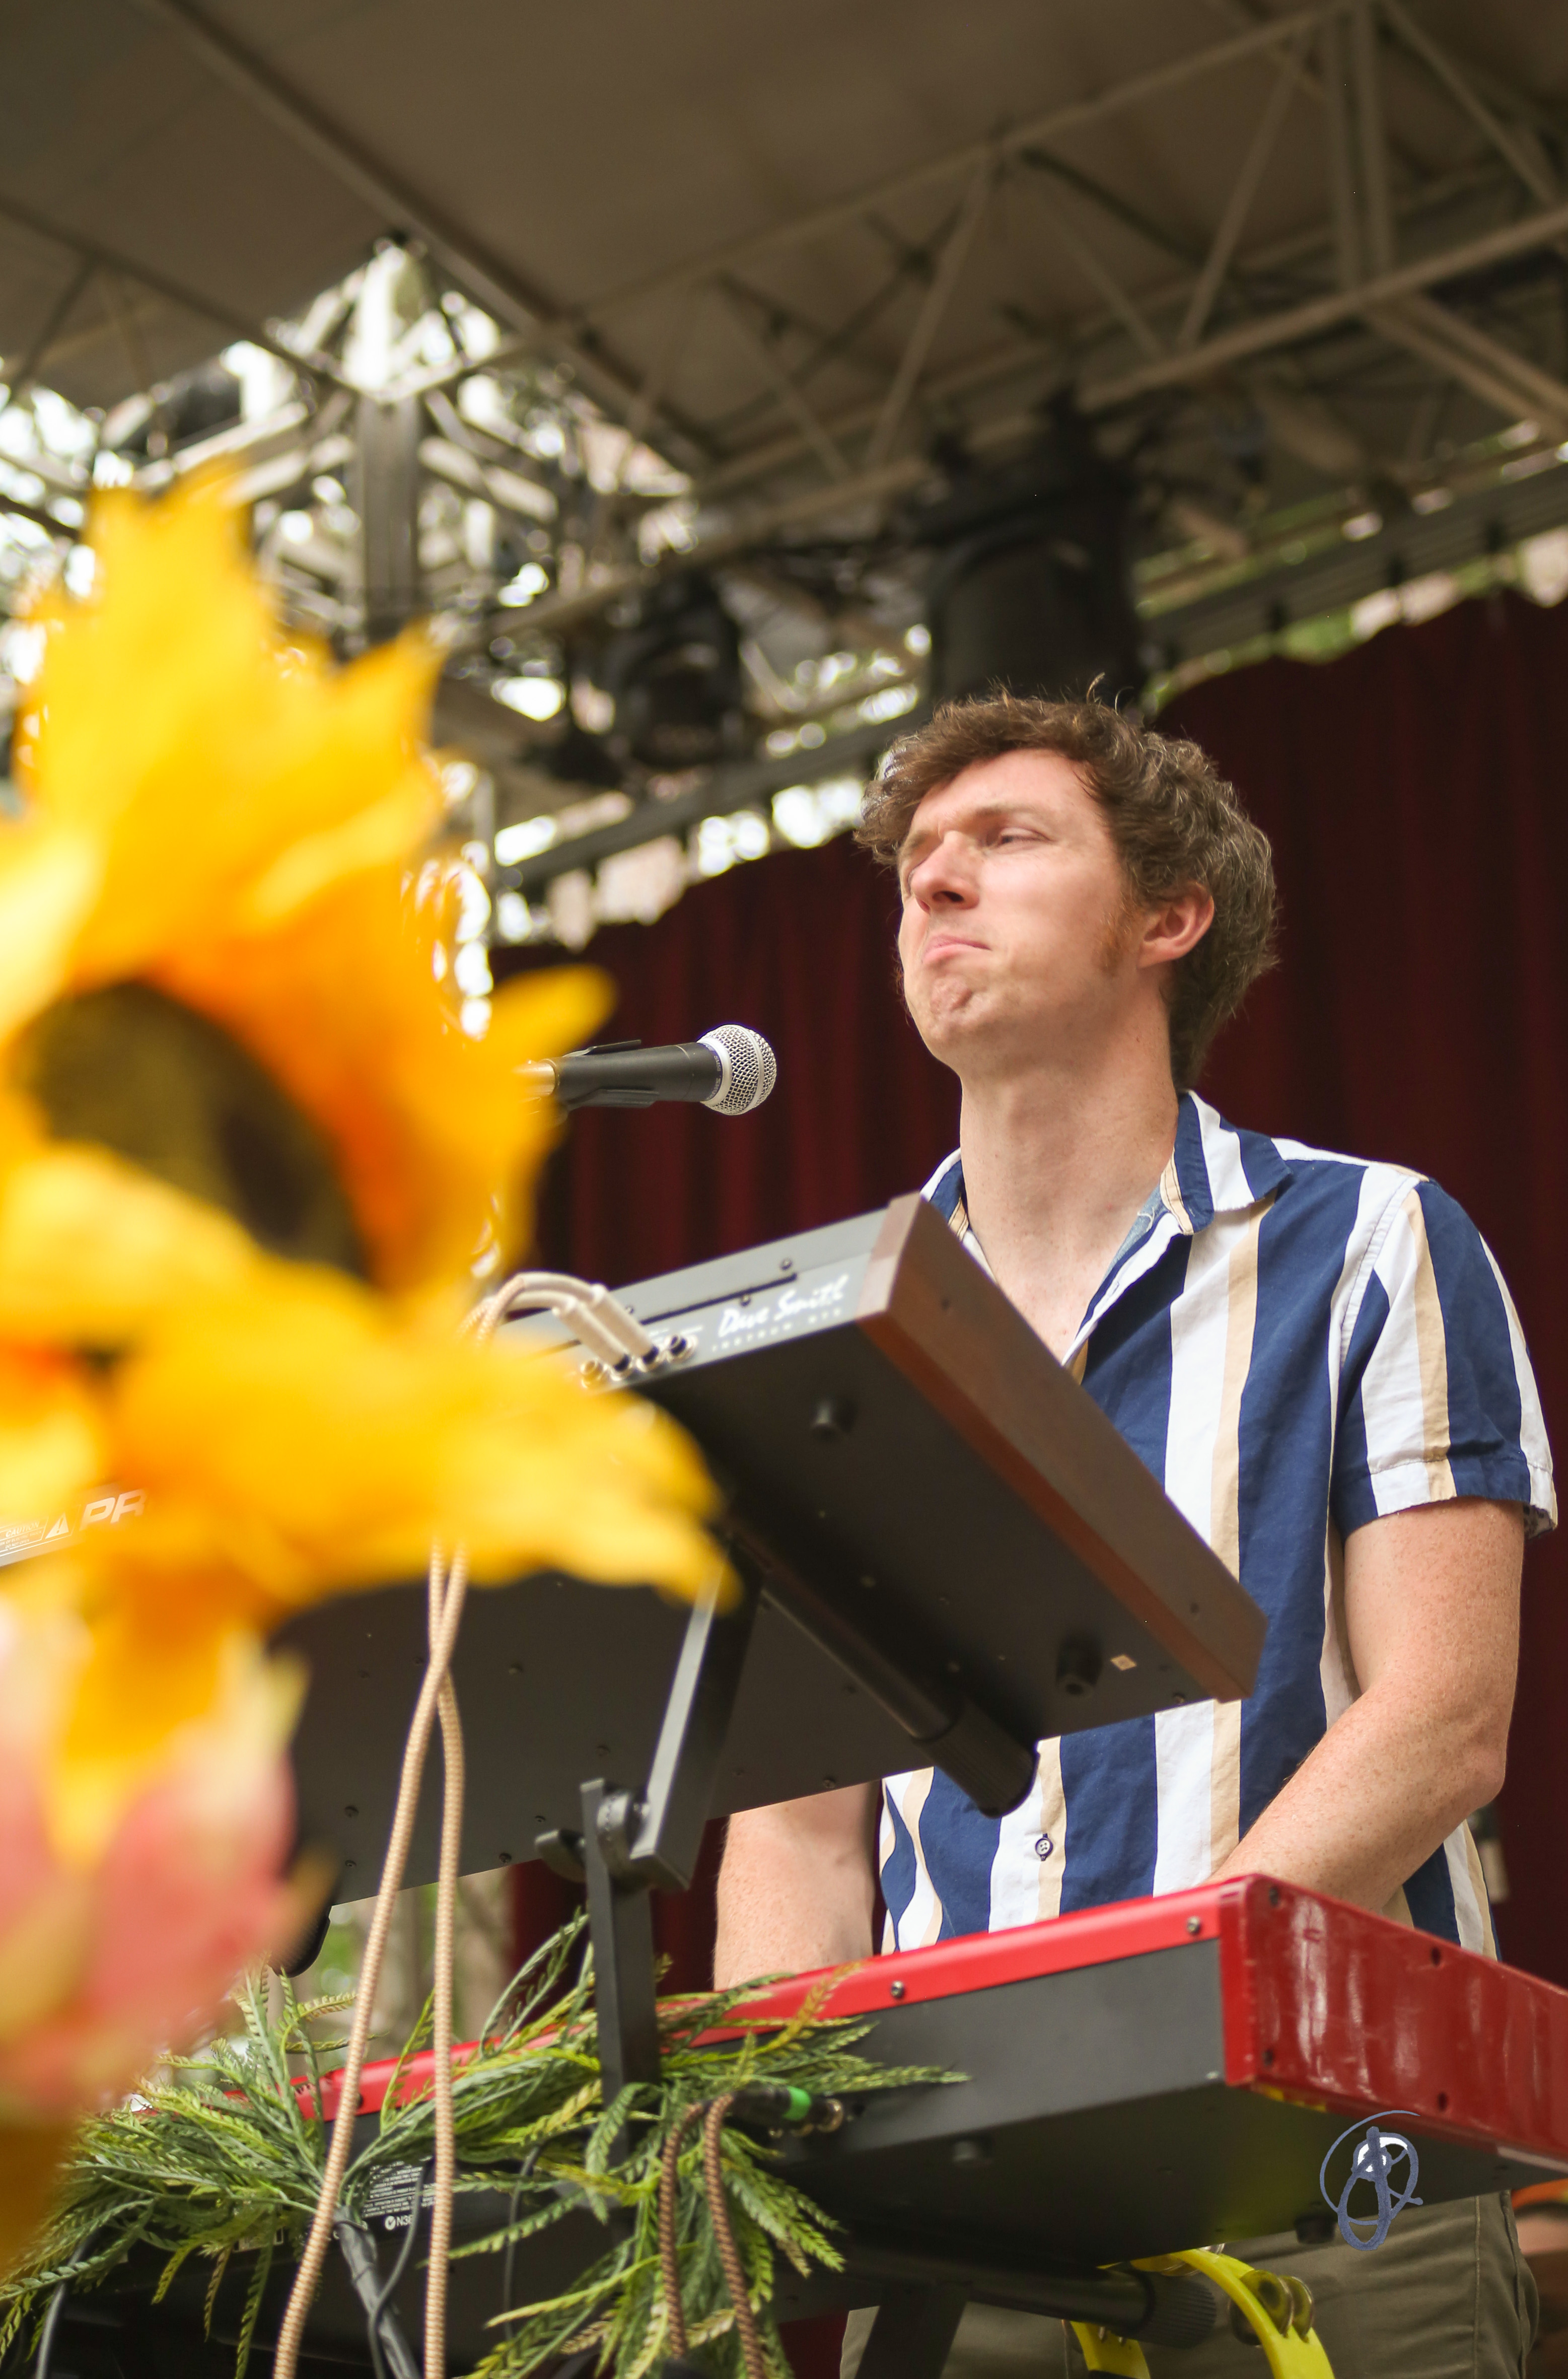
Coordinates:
1371	139
402	207
1238	205
1286	327
1292	324
954	163
789	395
1519	153
943	280
1495	373
147	276
999	364
721	792
1098	274
74	287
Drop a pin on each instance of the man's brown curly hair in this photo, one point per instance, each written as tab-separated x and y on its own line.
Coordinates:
1174	819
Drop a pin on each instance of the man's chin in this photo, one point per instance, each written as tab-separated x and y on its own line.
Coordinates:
955	1021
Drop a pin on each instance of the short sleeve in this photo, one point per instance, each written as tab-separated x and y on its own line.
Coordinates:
1436	1393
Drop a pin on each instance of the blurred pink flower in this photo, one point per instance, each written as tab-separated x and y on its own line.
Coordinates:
141	1855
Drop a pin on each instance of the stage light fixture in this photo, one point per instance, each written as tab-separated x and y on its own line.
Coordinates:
674	676
1030	576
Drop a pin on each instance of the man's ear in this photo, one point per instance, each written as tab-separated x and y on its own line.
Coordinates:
1177	926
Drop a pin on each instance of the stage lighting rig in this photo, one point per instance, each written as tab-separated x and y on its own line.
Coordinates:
575	758
675	678
1031	582
161	421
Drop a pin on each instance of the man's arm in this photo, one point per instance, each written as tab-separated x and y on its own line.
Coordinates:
1431	1605
797	1888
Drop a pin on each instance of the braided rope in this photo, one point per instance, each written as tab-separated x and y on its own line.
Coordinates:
582	1308
728	2253
669	2257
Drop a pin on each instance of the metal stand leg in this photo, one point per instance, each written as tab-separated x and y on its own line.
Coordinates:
913	2333
632	1841
388	479
621	1922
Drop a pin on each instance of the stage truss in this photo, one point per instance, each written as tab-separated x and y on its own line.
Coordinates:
1343	386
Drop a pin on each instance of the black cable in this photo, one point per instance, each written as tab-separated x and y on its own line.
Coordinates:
51	2324
373	2318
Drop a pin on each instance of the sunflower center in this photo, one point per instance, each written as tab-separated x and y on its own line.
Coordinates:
142	1074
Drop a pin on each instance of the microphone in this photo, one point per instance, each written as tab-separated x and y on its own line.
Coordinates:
731	1069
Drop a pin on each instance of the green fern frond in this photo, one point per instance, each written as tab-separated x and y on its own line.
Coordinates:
228	2164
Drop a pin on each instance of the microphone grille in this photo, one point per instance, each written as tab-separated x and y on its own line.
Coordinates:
750	1068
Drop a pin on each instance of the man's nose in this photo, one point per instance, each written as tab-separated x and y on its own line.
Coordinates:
944	874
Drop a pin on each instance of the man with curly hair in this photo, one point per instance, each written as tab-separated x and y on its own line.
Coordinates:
1318	1358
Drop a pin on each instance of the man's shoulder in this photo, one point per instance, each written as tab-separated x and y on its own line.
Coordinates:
1302	1156
1347	1218
1223	1172
1315	1176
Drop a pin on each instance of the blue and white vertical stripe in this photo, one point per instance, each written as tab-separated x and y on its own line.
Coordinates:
1295	1343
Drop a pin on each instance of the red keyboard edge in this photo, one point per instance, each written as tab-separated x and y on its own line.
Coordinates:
1320	2001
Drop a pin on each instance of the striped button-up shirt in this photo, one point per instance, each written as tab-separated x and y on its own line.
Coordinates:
1296	1344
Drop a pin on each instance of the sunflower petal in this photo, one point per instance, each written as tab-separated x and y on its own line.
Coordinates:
179	729
51	1438
91	1248
298	1436
48	882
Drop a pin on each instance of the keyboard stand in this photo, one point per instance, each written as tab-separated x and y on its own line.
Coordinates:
882	1422
634	1842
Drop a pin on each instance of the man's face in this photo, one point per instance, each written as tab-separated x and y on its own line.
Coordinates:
1017	934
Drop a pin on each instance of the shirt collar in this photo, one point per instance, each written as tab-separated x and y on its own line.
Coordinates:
1213	1169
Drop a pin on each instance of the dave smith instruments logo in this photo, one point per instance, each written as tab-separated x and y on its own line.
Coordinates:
1385	2162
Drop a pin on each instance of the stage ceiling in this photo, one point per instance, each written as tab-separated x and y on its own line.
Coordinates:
1302	270
744	212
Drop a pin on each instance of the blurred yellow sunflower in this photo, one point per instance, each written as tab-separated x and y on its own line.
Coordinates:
248	1154
246	1164
207	956
247	1158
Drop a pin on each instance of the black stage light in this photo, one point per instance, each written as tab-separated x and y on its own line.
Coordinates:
1031	579
575	758
197	404
674	676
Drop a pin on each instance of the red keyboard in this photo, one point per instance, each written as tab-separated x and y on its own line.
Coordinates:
1172	2072
1169	2072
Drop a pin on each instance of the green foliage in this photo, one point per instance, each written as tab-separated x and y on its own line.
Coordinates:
225	2163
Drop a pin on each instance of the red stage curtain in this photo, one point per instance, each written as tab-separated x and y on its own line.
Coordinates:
1414	793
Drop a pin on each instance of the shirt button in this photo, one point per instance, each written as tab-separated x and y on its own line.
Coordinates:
1043	1847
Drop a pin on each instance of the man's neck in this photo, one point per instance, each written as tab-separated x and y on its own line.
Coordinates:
1057	1166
